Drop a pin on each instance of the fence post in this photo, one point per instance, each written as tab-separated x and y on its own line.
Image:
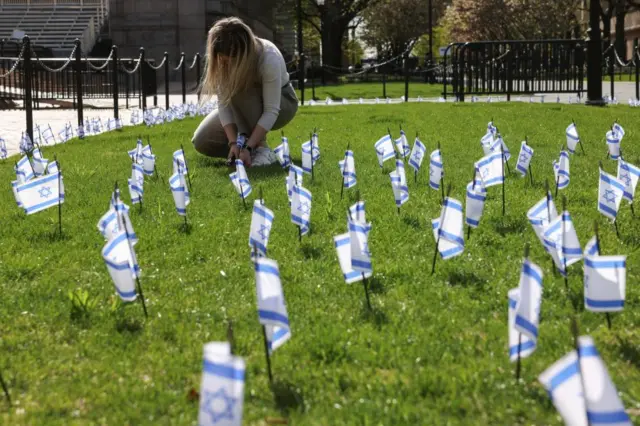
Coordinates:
184	76
116	88
79	82
509	74
612	57
28	78
384	84
198	75
301	76
143	91
166	80
313	82
636	57
406	77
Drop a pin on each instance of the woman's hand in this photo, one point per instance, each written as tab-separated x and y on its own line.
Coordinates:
245	156
234	153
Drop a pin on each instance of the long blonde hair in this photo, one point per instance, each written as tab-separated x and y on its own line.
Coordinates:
232	60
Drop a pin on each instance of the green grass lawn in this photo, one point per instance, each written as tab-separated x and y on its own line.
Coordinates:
433	350
354	91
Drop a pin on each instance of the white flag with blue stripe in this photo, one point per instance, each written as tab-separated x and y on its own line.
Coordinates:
499	146
180	163
110	224
66	133
261	224
436	169
14	188
629	174
604	283
136	183
282	152
26	145
592	248
240	180
122	265
272	309
48	136
518	343
491	170
474	206
399	184
315	146
96	125
136	153
417	155
39	163
524	158
561	240
40	193
487	142
491	129
384	150
357	212
573	139
135	117
222	388
3	149
610	194
24	170
564	385
342	244
359	238
80	130
528	309
561	170
619	131
448	229
402	145
148	161
301	209
294	178
111	124
308	159
348	170
540	215
180	191
613	144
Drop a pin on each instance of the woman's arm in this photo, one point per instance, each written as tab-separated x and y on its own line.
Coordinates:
271	96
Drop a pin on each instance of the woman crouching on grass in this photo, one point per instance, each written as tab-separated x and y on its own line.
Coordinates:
250	79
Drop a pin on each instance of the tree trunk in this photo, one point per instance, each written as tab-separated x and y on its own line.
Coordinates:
332	35
621	46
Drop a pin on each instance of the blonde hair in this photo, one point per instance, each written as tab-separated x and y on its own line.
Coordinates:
232	60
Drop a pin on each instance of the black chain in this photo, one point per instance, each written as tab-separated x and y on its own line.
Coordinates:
14	66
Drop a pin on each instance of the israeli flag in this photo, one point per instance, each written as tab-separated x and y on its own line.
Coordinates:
96	124
39	163
315	144
122	265
52	167
561	170
136	183
564	247
610	193
487	142
240	180
301	209
604	283
272	310
169	116
402	145
149	161
80	131
613	143
573	139
491	129
384	150
111	124
47	135
436	169
40	193
87	126
417	155
541	214
26	145
602	400
348	169
307	157
261	225
3	149
564	384
149	118
524	159
629	174
24	170
592	248
474	206
360	254
111	223
222	388
343	247
180	163
345	101
136	153
14	188
491	170
135	117
449	228
180	192
528	308
399	184
294	178
500	146
518	342
160	116
282	152
65	134
617	128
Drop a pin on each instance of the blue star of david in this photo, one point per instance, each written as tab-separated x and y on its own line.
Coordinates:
219	413
140	180
523	157
626	178
417	156
264	231
609	196
45	192
304	208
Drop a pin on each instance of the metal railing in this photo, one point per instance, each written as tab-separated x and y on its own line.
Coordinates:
28	81
615	68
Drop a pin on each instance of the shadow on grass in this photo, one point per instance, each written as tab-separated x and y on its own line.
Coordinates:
373	315
466	279
508	225
376	286
288	398
630	239
311	252
184	228
411	221
128	325
629	351
52	236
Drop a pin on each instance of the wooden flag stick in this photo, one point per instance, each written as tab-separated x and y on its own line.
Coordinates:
55	158
266	353
435	252
5	389
366	290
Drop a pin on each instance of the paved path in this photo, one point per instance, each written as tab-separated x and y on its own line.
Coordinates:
13	122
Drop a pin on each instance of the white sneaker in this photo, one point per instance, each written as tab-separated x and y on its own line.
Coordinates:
262	157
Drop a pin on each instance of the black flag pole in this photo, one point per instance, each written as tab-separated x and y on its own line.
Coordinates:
558	177
504	157
575	332
230	337
55	158
365	284
526	139
473	187
155	168
435	252
264	337
441	173
5	389
186	168
519	362
548	195
344	167
579	140
311	142
504	209
415	172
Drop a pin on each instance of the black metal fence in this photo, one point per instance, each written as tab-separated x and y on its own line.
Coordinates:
29	81
616	69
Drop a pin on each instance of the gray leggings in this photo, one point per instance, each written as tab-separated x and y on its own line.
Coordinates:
210	139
